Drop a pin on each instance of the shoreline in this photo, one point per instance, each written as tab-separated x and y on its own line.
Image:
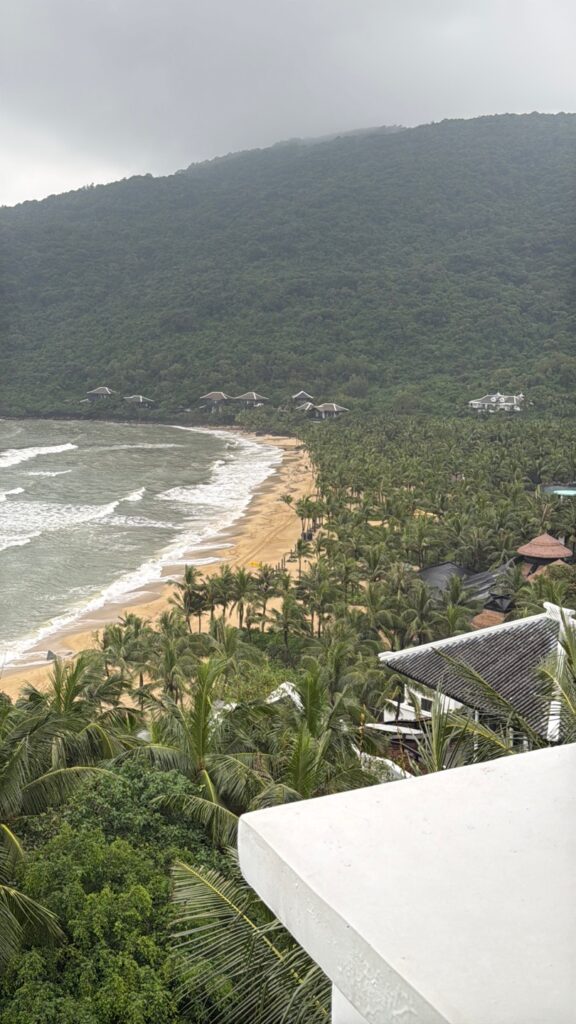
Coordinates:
264	533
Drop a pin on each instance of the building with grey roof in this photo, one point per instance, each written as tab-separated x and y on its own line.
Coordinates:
508	656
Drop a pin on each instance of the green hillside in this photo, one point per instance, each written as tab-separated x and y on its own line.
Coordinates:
414	269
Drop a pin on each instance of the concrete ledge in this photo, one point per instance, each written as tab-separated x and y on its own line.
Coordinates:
448	898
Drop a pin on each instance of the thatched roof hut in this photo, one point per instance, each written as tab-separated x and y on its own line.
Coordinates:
544	548
302	396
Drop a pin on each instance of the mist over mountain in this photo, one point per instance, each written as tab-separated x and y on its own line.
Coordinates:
412	269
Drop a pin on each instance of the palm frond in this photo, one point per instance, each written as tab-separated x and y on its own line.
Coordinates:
12	846
56	786
220	920
221	822
501	706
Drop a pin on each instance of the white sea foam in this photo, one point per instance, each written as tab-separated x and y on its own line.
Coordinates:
232	483
227	495
17	541
135	447
31	519
48	472
141	521
14	490
14	456
135	495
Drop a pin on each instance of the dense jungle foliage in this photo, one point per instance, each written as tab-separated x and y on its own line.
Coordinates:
409	270
121	784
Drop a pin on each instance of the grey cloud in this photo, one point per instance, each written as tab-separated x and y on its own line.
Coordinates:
96	89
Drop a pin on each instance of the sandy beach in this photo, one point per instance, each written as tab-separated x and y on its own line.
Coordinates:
266	533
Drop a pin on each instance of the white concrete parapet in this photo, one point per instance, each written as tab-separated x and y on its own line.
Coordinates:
446	899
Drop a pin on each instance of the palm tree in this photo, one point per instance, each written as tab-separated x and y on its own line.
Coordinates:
126	647
226	645
301	550
188	593
20	916
84	705
211	595
225	588
190	737
306	510
31	732
266	586
288	619
171	664
419	615
242	592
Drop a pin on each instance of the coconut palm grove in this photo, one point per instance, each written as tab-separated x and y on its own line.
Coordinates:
401	273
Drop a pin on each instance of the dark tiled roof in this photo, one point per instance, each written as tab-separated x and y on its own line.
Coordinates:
438	576
506	656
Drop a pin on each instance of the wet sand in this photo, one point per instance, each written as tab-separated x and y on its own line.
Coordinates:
266	533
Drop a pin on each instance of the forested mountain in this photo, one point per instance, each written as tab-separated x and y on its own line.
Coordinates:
411	269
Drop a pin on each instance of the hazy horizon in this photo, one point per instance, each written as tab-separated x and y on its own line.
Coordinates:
100	92
279	142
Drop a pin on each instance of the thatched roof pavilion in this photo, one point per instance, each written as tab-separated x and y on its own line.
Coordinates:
302	396
544	548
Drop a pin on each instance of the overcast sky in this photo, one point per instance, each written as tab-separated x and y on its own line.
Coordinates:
95	90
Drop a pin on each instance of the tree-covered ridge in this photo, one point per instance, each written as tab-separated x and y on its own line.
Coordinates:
414	269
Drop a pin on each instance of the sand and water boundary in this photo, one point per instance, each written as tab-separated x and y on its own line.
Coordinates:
265	533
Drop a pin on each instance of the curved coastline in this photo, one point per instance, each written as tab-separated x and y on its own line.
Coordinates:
264	529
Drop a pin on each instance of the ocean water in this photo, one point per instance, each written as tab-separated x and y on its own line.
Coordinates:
92	512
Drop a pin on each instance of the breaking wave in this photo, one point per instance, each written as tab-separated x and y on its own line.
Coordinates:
14	490
135	495
14	456
196	514
48	472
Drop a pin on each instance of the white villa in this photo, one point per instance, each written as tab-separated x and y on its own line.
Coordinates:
497	403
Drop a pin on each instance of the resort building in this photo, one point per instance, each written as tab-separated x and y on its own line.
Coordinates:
98	393
471	846
481	587
139	400
330	410
251	400
507	656
543	551
497	403
214	400
302	396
